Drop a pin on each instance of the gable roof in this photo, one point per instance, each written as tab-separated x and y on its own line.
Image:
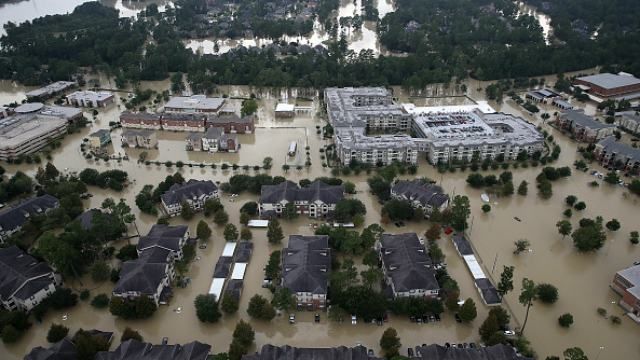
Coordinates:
243	252
306	262
145	274
136	350
223	267
163	236
407	262
271	352
421	191
189	190
611	145
290	191
21	275
62	350
494	352
580	118
15	216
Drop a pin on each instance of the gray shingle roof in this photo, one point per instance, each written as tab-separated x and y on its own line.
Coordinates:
234	288
16	268
62	350
15	216
407	263
290	191
462	244
422	191
192	188
495	352
229	118
163	236
306	262
579	117
271	352
244	249
612	146
136	350
610	81
144	274
223	267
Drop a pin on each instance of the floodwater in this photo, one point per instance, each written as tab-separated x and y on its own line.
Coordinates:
365	38
27	10
583	279
543	19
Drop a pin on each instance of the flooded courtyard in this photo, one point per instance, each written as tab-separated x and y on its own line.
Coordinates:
583	279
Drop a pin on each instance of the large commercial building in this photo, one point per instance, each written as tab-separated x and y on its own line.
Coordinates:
32	127
49	90
87	98
610	86
193	104
306	263
24	281
627	283
366	123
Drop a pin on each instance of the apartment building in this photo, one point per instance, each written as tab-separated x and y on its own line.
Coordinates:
583	127
316	200
194	193
306	263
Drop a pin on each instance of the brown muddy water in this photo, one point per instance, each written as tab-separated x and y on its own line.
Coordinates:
583	279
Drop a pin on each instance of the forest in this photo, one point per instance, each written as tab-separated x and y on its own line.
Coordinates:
441	40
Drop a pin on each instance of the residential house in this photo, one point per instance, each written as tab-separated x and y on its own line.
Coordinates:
492	352
183	122
89	98
141	120
627	283
228	143
583	127
62	350
99	138
272	352
232	123
306	263
628	120
137	350
193	192
24	281
194	141
172	238
211	139
194	104
407	266
12	218
421	194
149	275
316	200
617	155
141	138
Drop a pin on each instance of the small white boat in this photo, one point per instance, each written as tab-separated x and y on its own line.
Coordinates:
484	198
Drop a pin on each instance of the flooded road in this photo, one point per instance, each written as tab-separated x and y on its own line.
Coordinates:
583	279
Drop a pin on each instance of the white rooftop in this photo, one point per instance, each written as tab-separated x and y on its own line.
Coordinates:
258	223
216	287
195	102
282	107
483	106
474	267
238	271
229	249
611	81
90	95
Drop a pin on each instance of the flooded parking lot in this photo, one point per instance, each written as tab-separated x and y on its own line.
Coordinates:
583	279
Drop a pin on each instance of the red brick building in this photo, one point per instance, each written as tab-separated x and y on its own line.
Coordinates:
183	122
608	85
232	123
140	120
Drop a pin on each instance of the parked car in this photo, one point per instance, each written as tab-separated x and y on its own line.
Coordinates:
292	318
354	320
410	352
509	333
316	317
370	353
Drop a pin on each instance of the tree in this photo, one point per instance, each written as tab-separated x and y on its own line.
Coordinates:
565	320
250	208
127	252
390	343
521	246
259	308
230	232
246	234
186	212
528	295
475	180
398	210
589	237
56	333
347	209
506	280
349	187
129	333
460	211
486	208
612	178
220	217
283	299
545	189
580	206
229	304
272	270
249	107
289	212
468	311
490	332
523	188
243	337
203	231
634	237
10	334
433	233
274	232
211	206
574	353
547	293
567	213
207	308
244	218
571	200
87	345
613	225
100	271
564	227
100	301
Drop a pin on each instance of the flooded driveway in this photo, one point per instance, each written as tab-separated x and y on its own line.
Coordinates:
583	279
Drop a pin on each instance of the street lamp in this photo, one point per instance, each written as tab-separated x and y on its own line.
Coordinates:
599	352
